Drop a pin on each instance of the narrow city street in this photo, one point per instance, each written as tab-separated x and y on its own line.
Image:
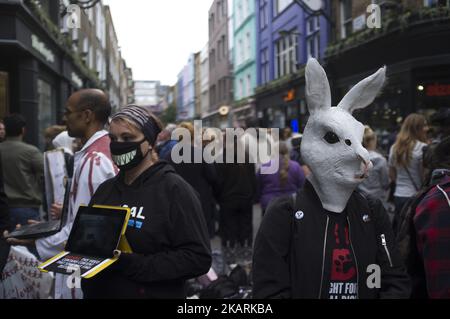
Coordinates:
235	150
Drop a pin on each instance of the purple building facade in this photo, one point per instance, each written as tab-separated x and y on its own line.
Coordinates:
286	37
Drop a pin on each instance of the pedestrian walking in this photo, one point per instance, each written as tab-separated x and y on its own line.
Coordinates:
237	191
406	159
23	172
288	179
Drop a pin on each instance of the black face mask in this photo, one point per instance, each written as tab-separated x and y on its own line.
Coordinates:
127	155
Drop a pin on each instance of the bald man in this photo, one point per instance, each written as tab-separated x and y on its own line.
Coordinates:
86	114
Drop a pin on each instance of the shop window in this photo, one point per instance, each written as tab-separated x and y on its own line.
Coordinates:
436	3
4	98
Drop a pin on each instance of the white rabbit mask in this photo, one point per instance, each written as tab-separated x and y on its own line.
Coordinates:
332	141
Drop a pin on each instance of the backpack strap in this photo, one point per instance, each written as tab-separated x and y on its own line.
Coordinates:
445	194
411	179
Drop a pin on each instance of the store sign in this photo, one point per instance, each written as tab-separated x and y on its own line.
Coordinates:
42	49
290	96
438	90
76	79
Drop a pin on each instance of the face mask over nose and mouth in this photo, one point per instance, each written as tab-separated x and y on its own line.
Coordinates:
127	155
128	125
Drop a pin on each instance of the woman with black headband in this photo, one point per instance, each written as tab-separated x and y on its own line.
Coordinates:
167	231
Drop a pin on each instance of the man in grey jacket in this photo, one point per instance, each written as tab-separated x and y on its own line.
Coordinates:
23	170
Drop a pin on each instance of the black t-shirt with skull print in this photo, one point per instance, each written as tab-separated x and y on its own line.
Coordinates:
340	271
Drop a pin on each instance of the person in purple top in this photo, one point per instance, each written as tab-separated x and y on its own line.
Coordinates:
289	178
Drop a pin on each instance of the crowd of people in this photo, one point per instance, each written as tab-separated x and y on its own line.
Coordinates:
183	206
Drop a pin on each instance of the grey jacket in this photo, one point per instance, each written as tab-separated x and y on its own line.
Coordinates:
377	184
23	170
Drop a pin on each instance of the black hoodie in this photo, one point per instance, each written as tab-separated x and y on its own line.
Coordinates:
167	233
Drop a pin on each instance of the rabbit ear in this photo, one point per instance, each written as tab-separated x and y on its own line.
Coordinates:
318	94
364	93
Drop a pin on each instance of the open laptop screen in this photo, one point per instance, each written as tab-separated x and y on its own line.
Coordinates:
96	231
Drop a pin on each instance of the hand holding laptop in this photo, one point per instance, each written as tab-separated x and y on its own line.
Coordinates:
56	211
20	242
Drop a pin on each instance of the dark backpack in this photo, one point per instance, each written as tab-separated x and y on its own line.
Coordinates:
406	240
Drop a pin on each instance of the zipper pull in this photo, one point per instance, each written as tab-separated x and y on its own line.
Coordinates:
384	243
383	240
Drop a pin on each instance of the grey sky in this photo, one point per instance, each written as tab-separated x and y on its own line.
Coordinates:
157	36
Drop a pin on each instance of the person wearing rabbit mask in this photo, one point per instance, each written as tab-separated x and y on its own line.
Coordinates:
328	242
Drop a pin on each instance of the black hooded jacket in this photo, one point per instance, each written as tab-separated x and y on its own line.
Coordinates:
288	254
167	233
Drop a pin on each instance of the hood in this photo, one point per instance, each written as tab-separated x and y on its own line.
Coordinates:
64	141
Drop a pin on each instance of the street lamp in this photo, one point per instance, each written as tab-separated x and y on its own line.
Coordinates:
314	7
83	4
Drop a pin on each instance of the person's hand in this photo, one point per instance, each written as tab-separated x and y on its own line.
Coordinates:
56	211
20	242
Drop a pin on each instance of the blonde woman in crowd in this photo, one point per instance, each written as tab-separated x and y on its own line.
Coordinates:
405	159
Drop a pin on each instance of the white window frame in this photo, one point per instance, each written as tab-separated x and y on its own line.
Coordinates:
248	46
285	48
344	22
240	51
263	14
313	37
240	13
265	66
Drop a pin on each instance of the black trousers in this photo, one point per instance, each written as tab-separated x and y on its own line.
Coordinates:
236	223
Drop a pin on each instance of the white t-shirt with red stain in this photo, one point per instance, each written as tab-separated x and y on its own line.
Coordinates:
92	166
